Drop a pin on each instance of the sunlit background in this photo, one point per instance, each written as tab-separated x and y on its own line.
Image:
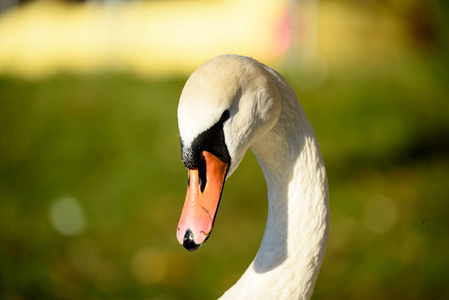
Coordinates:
91	182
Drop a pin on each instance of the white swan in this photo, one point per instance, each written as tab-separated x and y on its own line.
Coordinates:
229	104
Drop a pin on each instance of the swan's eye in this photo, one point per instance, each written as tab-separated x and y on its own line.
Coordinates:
224	116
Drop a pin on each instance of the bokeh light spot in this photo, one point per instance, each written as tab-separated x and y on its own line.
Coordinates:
148	265
380	214
67	216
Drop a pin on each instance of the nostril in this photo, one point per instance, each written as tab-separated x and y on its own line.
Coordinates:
188	242
202	173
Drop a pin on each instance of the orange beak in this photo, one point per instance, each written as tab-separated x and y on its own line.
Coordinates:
202	200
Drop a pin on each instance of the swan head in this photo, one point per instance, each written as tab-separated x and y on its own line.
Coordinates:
226	104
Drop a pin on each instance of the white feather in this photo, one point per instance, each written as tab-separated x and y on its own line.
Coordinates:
266	116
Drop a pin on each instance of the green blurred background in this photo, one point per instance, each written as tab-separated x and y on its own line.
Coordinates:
92	186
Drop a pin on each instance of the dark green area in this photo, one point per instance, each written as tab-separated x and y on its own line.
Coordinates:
111	142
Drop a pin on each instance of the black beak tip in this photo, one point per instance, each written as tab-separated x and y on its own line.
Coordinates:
189	243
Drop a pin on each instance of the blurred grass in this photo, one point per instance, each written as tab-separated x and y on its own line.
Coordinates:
111	142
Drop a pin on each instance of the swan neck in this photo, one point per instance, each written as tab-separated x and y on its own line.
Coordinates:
298	213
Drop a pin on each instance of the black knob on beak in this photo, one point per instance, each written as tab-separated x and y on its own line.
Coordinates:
188	243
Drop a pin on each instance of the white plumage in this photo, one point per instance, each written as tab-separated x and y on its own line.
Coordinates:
265	115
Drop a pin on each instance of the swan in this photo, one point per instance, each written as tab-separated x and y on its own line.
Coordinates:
232	103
